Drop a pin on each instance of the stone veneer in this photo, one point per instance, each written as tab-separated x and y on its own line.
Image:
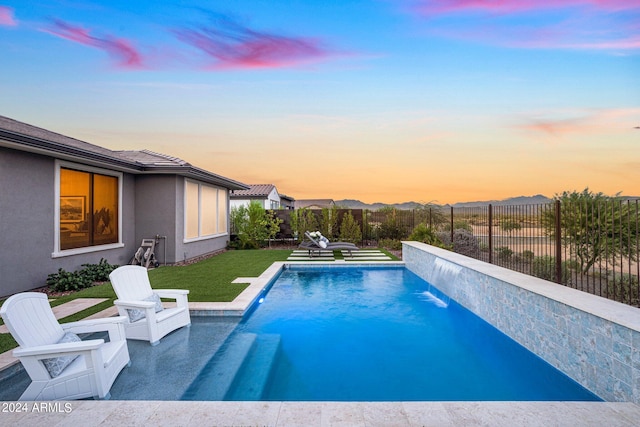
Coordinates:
593	340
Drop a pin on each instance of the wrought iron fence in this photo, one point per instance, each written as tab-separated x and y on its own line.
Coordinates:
590	246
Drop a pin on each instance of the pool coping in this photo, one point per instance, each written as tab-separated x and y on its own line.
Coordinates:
604	308
257	285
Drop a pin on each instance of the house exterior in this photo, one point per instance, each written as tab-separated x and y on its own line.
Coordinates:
266	194
66	202
287	202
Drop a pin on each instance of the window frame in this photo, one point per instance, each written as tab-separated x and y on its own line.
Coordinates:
57	252
201	237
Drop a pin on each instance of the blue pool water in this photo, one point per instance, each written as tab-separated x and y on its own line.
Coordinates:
373	334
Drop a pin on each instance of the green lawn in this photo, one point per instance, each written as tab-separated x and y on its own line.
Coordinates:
208	280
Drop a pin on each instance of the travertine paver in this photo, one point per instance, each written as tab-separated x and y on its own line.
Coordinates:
397	414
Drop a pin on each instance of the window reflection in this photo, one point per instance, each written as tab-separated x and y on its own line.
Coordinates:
88	209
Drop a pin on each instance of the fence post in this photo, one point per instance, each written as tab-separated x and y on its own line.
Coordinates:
452	225
558	234
490	234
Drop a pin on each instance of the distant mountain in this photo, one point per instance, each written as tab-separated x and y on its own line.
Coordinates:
357	204
520	200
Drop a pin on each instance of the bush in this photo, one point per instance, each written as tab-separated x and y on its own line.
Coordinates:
254	225
424	234
63	281
504	253
624	287
458	224
464	242
544	267
393	244
528	255
98	272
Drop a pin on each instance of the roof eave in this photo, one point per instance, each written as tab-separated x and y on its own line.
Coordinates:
65	152
196	173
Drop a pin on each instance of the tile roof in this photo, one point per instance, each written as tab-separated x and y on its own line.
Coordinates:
150	158
25	137
255	190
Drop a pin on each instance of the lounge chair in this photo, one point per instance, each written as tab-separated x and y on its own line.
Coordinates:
60	364
322	243
146	317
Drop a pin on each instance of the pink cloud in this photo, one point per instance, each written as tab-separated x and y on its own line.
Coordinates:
436	7
6	17
121	50
232	45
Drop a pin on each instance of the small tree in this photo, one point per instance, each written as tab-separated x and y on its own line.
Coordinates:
390	228
590	224
329	222
254	225
350	229
302	220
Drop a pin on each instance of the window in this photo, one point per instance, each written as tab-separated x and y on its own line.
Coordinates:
205	210
88	208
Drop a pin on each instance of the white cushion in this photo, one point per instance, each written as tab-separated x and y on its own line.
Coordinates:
322	244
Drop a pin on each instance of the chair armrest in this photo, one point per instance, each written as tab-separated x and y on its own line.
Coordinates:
91	323
170	293
134	304
113	325
55	350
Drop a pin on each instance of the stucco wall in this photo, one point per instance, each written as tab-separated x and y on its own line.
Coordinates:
27	223
593	340
156	213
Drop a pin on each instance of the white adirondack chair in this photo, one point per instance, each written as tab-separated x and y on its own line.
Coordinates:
29	318
131	284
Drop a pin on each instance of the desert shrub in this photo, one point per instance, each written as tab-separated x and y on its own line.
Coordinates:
624	287
527	255
544	267
390	244
350	229
504	253
424	234
508	225
458	224
464	242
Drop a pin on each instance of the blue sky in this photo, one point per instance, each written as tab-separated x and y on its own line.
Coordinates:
380	100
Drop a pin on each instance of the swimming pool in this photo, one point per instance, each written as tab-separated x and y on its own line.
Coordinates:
372	334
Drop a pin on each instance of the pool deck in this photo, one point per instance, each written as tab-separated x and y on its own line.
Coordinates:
397	414
184	413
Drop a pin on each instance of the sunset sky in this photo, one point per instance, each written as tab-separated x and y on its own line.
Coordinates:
382	100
